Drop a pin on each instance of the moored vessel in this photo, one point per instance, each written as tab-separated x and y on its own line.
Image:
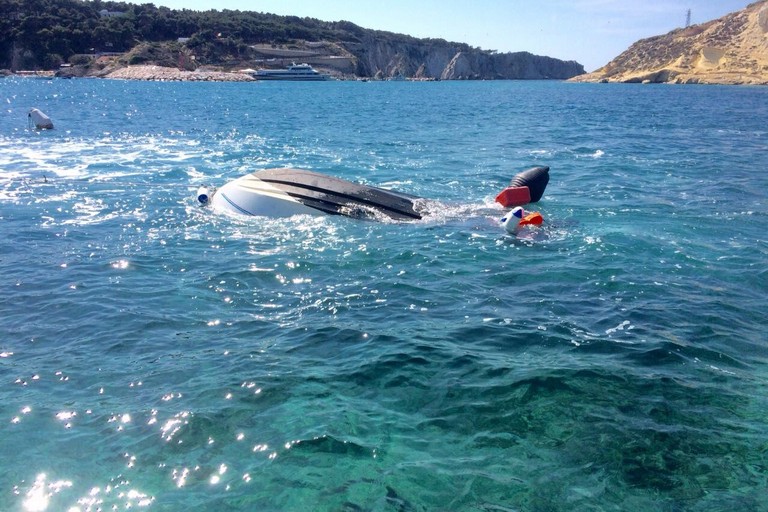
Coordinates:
301	72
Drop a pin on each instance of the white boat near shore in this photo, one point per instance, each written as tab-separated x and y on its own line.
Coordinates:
302	72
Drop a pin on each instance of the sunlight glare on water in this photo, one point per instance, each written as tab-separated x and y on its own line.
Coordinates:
159	355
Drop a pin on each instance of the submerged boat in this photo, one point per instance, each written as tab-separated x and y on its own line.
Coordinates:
288	192
303	72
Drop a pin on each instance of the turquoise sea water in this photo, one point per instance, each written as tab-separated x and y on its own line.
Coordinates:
159	356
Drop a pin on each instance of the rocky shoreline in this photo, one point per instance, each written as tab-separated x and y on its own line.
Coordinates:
165	74
666	76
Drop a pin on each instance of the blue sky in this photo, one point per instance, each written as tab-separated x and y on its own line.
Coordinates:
591	32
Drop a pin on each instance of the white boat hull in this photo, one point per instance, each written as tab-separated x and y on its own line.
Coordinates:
249	195
301	72
288	192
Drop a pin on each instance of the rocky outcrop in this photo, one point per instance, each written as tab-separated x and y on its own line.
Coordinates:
166	74
729	50
521	66
435	59
417	59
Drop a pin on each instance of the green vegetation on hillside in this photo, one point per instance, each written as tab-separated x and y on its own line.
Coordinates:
42	34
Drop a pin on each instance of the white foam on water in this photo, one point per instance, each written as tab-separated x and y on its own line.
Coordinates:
109	157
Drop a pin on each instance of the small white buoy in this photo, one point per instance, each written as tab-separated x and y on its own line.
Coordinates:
511	221
203	196
40	120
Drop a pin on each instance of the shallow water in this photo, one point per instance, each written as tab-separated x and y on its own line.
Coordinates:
161	356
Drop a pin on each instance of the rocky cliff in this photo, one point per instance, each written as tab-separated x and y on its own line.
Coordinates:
373	58
729	50
74	36
435	59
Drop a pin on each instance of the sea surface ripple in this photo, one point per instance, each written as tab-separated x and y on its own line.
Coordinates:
157	355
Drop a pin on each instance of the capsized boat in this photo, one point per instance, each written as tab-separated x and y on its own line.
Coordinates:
286	192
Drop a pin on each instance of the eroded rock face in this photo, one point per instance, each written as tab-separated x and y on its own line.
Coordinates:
729	50
762	19
442	60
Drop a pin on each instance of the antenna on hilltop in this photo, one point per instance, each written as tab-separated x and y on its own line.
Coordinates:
688	19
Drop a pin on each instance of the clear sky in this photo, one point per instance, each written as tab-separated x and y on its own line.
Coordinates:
591	32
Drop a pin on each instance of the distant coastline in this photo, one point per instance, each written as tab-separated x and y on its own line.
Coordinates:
142	72
156	73
94	41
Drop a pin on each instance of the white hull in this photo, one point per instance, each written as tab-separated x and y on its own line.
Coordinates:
286	192
293	78
300	72
249	195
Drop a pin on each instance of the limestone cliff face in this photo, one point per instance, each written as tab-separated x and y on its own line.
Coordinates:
430	59
729	50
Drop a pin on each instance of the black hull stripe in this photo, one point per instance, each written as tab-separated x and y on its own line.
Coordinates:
355	199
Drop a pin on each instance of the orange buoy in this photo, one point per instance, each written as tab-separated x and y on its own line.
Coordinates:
514	196
533	219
